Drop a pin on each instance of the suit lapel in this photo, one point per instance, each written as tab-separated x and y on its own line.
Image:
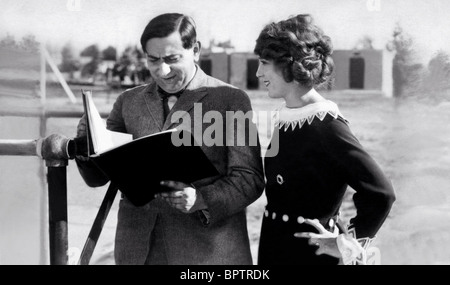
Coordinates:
154	105
194	93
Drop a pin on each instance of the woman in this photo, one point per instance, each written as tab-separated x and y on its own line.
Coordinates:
318	157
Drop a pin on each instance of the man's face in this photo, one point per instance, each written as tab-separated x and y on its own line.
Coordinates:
171	65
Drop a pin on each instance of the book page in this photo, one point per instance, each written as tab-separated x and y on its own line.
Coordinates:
102	138
112	140
158	133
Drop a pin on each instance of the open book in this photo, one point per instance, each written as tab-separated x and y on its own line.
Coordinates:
138	166
100	138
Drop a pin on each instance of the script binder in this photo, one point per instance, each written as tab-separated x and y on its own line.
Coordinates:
137	166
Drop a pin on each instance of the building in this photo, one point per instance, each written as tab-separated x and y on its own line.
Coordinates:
216	65
238	68
361	69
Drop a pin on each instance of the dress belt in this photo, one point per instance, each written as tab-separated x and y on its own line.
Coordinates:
328	223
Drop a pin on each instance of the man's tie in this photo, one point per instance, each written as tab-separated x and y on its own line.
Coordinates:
169	99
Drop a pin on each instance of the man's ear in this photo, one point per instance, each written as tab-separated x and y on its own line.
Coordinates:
197	49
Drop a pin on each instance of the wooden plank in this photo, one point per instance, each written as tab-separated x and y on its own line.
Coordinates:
59	76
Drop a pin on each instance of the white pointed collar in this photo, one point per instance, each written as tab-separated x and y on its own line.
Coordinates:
292	117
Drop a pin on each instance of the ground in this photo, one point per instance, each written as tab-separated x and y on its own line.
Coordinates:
410	141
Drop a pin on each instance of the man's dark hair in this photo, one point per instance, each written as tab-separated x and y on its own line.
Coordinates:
165	24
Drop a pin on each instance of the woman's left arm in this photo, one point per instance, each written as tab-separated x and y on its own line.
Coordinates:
374	192
373	198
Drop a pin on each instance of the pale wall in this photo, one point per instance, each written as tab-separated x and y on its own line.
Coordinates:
220	66
376	67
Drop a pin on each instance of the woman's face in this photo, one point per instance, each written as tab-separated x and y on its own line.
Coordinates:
272	78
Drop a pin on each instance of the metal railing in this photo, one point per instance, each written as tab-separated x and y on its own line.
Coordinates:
56	179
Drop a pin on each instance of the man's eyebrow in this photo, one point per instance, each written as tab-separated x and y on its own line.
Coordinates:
152	57
170	56
164	58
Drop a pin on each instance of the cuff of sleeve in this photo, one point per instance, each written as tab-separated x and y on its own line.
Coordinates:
204	217
349	248
81	158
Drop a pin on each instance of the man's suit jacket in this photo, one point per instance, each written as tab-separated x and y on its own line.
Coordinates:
158	234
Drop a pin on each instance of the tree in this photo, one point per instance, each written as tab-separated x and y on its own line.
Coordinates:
29	44
91	68
91	51
406	73
132	64
365	42
8	42
109	53
439	71
69	63
437	81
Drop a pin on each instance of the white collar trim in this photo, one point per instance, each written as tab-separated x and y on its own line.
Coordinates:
292	117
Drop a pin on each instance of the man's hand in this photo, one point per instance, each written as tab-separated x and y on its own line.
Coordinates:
81	128
56	147
182	197
81	140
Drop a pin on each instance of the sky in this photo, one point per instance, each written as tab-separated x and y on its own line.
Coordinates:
120	23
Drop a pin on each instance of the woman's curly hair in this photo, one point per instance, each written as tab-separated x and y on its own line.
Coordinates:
299	49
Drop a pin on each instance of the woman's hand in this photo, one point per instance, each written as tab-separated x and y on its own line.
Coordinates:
325	241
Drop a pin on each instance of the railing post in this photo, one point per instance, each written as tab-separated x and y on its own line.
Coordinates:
57	206
42	173
55	152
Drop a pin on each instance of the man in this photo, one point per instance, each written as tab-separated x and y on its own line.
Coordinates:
202	223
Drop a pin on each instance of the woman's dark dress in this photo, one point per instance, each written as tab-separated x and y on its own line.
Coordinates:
318	158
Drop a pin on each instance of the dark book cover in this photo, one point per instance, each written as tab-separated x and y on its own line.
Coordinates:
138	167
